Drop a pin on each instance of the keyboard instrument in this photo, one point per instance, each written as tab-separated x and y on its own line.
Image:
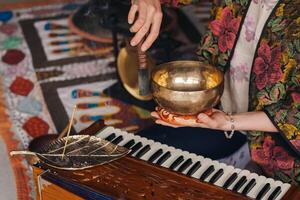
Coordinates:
157	171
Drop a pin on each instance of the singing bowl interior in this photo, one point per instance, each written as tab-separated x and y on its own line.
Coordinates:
186	87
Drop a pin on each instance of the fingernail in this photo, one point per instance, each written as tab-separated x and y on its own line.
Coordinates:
143	48
201	116
133	43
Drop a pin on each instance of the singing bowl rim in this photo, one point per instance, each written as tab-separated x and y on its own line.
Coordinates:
193	64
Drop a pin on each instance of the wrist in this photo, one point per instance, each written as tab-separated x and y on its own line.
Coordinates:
230	126
226	126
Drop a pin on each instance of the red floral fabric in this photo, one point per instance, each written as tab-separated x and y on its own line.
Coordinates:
267	65
226	29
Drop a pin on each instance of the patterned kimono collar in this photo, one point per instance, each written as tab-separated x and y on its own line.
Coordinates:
236	91
229	18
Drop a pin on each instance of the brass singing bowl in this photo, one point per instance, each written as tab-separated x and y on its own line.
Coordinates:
127	65
186	87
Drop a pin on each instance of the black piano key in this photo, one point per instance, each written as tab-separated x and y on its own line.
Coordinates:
176	162
136	147
275	193
263	191
249	186
117	140
142	152
110	137
194	168
185	165
129	144
207	172
230	180
155	155
240	183
216	176
163	158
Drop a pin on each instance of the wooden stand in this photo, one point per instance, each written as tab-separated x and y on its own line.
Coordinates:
50	191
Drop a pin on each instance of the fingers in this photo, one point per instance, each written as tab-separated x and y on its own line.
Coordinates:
157	19
145	28
206	121
159	121
141	20
132	13
155	115
149	17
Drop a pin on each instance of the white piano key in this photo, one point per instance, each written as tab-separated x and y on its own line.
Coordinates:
284	188
228	171
205	163
126	138
249	178
154	148
186	155
274	184
195	158
174	155
144	142
237	171
105	132
262	181
240	175
216	165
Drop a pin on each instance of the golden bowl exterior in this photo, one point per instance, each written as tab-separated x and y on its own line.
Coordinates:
186	87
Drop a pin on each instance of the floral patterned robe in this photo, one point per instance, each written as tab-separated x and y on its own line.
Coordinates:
274	81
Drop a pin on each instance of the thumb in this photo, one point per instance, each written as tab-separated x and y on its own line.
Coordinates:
205	119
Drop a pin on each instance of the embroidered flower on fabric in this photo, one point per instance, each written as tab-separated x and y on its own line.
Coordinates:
296	97
239	73
250	29
267	65
296	144
226	29
268	4
272	157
